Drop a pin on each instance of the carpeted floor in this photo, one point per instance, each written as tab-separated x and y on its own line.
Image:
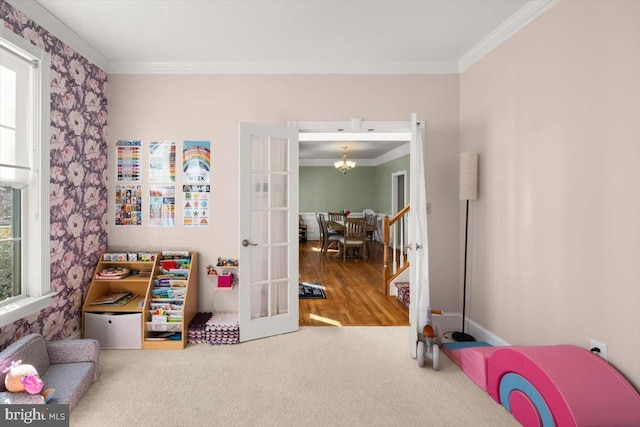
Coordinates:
318	376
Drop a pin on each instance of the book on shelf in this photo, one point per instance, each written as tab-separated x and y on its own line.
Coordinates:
175	254
118	298
113	273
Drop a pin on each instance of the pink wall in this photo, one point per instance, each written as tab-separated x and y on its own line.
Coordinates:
554	114
210	107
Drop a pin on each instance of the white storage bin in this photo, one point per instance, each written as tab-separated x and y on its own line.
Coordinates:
114	331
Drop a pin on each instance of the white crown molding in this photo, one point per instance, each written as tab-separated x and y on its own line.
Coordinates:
396	153
122	67
527	13
330	162
59	29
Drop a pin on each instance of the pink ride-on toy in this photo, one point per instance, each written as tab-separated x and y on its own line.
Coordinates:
427	345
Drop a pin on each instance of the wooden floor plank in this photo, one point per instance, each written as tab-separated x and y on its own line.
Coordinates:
353	289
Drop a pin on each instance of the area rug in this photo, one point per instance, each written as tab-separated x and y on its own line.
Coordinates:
307	290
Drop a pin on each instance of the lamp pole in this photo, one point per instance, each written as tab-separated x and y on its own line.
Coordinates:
468	191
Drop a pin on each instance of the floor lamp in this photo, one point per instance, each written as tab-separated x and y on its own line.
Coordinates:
468	191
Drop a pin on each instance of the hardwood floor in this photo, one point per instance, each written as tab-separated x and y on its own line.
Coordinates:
353	289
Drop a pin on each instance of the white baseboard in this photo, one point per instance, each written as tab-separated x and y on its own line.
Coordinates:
449	322
482	334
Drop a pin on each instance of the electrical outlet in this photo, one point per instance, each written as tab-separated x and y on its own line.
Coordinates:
603	348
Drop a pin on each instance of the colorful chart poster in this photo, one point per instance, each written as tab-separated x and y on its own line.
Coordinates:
196	205
162	206
128	160
196	161
162	161
128	205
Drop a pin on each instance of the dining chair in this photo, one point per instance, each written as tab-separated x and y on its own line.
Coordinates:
320	245
329	237
353	237
336	216
371	230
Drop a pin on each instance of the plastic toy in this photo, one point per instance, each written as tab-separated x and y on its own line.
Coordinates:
427	345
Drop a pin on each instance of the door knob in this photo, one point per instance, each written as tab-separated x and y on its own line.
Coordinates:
246	242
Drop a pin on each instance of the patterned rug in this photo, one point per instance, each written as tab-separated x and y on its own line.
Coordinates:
308	290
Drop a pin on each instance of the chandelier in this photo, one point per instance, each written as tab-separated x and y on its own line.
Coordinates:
344	165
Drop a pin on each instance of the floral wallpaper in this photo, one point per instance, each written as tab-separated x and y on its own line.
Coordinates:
78	180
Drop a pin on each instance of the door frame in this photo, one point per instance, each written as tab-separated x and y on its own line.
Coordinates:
357	125
394	202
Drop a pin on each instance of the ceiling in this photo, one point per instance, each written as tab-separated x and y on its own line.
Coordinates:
285	36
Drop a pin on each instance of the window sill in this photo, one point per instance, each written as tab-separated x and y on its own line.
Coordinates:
23	308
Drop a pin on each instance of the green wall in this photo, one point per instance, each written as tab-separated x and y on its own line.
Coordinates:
324	189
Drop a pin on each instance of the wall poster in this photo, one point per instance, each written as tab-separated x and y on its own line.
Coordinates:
128	205
196	161
162	206
162	161
128	160
196	205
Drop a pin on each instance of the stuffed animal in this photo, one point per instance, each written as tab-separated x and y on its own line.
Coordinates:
25	378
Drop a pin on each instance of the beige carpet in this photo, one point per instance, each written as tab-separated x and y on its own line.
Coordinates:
319	376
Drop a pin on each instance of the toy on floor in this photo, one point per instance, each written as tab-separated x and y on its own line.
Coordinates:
559	385
22	377
427	345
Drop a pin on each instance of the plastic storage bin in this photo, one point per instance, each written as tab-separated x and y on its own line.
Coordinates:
114	331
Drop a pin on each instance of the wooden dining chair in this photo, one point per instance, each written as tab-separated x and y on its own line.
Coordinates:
353	237
329	237
320	245
371	222
336	216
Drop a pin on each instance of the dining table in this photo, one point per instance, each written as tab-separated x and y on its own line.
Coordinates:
338	226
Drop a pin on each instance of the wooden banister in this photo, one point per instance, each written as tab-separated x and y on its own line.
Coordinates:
389	274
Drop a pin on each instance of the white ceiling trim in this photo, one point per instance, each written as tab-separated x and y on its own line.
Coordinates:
59	29
122	67
505	31
356	124
354	136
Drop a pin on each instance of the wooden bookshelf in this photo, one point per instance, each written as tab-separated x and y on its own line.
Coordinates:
189	310
141	287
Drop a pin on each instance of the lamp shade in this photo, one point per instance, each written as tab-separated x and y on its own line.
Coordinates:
468	176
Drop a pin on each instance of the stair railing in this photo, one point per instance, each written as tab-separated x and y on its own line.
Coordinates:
395	259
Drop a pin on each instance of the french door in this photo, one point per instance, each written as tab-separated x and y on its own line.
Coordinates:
418	236
268	269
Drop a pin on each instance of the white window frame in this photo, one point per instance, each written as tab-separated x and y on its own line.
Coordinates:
36	263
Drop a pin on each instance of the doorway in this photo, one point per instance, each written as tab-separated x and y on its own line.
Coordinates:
352	288
399	201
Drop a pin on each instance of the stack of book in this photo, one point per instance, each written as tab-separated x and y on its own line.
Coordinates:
113	273
115	299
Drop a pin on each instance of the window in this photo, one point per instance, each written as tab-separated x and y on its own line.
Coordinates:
24	178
